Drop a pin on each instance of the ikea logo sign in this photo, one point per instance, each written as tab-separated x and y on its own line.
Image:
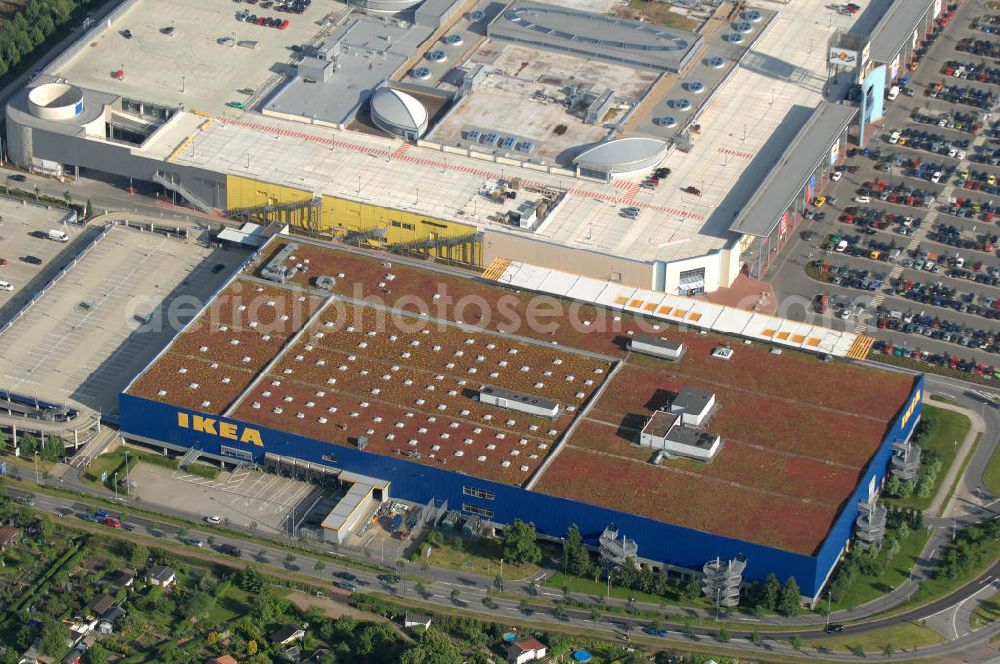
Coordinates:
908	413
214	427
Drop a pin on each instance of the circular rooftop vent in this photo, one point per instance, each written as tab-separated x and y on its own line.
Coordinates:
437	56
753	15
735	38
477	15
695	87
715	62
421	73
744	27
680	104
453	40
665	121
56	101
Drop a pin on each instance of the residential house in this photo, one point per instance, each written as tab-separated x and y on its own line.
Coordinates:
318	656
123	578
8	535
528	650
286	634
412	619
110	619
222	659
161	575
100	604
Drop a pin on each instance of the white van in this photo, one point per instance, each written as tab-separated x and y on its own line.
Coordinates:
6	285
893	93
59	236
894	136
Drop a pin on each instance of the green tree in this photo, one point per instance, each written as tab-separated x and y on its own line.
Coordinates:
251	580
755	637
771	592
251	647
692	589
795	641
433	647
888	651
595	614
519	543
198	604
419	588
724	635
455	594
524	607
319	566
138	555
88	211
53	638
97	654
790	597
29	444
576	558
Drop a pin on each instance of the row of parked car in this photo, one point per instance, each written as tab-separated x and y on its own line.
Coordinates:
984	48
985	154
850	277
938	295
951	235
879	218
937	359
956	94
970	208
267	21
972	71
899	193
920	139
935	327
967	122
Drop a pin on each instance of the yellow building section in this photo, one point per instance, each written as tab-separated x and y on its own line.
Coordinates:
374	225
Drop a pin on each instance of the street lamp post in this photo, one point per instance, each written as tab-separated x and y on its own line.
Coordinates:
116	486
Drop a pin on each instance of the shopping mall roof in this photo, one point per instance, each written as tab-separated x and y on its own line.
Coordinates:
799	160
896	27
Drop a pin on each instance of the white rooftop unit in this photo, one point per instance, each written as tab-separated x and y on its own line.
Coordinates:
524	403
693	406
657	347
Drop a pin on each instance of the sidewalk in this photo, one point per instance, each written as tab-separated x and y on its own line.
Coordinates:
963	494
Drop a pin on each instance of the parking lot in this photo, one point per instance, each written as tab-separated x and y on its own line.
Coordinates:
26	248
931	162
83	341
243	498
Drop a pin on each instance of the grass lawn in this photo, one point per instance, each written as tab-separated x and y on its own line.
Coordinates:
987	612
907	635
659	13
951	429
106	463
600	589
944	398
866	588
960	474
230	606
991	476
479	554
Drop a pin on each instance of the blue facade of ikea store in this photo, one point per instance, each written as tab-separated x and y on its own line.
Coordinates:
420	483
